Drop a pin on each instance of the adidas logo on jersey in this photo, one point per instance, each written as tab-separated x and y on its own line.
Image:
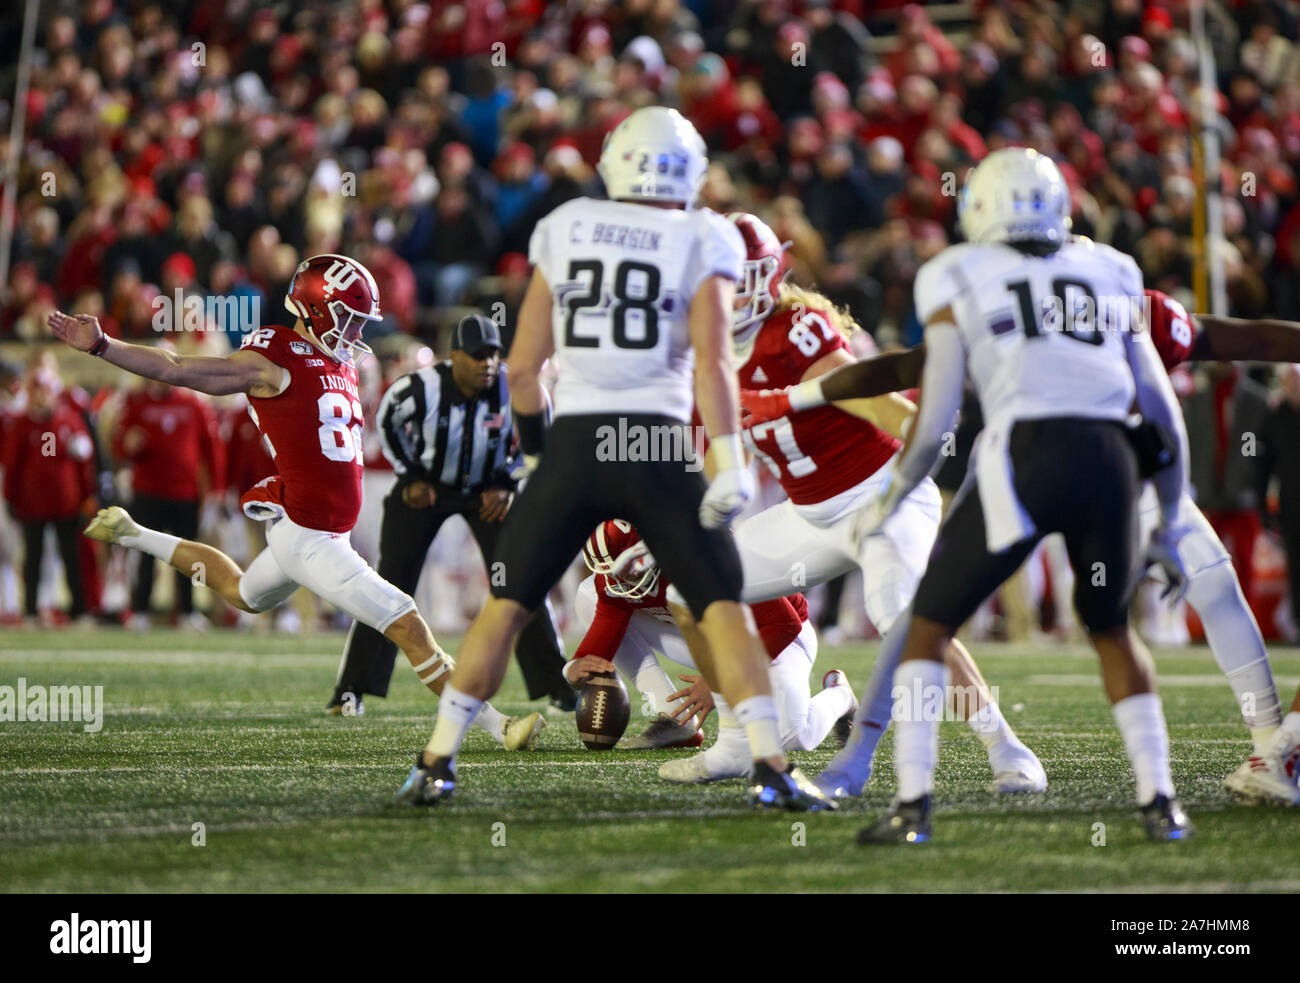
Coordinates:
759	375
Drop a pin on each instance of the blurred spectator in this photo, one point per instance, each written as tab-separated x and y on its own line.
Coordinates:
1281	457
168	437
47	451
1226	413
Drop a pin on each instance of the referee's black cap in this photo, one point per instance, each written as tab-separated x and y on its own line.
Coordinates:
474	333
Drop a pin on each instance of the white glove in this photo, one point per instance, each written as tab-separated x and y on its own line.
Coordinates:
732	485
867	521
1162	551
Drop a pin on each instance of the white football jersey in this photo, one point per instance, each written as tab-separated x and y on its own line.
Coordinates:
623	276
1027	357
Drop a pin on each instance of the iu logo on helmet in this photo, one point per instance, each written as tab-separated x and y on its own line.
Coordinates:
339	277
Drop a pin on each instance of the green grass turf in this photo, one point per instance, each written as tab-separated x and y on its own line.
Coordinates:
228	730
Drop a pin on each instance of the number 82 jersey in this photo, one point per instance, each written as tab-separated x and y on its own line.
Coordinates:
313	430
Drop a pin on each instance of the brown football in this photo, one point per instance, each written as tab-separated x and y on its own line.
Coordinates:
603	711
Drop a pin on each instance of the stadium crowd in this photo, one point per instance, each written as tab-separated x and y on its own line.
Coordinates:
202	148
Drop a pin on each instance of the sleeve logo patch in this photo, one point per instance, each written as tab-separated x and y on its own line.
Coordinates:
300	347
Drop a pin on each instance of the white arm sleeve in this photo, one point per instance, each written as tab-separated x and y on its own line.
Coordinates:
942	383
1158	404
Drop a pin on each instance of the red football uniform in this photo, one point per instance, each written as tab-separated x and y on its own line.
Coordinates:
180	434
247	459
824	451
313	429
779	621
1173	330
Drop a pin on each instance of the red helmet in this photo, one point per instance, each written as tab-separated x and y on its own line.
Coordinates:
335	296
765	267
616	550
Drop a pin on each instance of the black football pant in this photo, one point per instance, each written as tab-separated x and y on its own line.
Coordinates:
177	518
404	540
66	531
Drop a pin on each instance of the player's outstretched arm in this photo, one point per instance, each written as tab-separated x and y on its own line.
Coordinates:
1159	406
846	386
942	385
241	372
1233	339
875	376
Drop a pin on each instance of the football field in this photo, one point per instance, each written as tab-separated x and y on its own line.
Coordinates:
216	770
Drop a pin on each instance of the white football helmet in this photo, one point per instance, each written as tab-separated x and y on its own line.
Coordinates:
1015	195
654	155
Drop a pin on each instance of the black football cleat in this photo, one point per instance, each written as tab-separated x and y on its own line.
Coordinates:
563	701
905	822
772	789
346	704
427	785
1165	819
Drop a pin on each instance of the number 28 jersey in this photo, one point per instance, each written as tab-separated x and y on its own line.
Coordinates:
1044	335
622	278
313	430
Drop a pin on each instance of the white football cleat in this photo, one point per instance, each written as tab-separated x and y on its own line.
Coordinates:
1264	778
111	524
698	769
1016	770
844	726
520	732
839	784
844	777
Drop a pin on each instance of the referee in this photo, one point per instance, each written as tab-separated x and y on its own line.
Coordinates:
449	432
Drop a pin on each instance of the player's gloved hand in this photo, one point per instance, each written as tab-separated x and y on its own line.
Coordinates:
576	670
763	405
732	485
1162	551
868	520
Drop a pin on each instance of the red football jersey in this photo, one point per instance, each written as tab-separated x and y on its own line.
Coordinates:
821	452
180	433
314	430
1173	330
778	621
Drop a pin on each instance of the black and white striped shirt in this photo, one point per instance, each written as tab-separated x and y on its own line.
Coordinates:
431	432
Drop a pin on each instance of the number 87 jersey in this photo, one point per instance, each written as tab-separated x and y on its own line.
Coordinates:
822	452
313	430
622	278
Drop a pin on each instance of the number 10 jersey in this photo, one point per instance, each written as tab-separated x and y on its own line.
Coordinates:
622	277
313	430
1044	336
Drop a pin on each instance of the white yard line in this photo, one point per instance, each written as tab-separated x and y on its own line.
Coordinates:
1166	679
224	657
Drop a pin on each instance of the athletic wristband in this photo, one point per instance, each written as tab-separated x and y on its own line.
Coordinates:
531	428
807	395
728	452
100	346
